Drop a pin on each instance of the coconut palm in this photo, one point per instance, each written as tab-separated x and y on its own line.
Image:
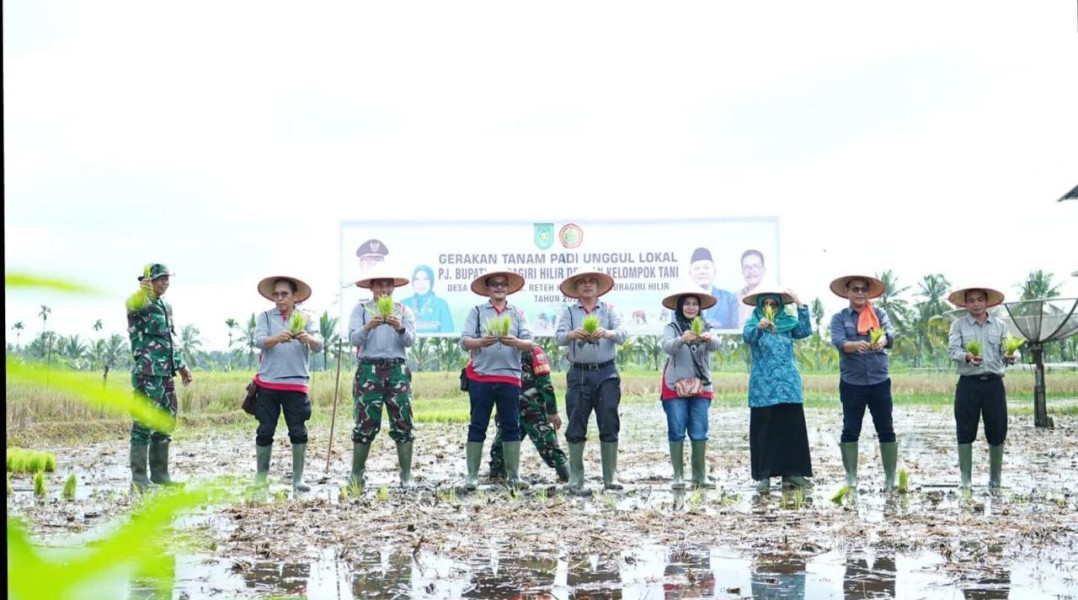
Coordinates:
248	340
115	349
18	327
232	325
190	344
891	302
1038	285
932	289
651	348
44	314
327	328
73	349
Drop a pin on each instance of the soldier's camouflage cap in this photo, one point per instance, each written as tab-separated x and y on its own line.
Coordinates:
156	270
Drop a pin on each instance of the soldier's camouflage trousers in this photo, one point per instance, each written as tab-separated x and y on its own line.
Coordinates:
533	419
374	386
162	392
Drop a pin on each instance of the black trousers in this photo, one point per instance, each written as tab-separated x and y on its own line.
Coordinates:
877	398
975	398
586	391
268	407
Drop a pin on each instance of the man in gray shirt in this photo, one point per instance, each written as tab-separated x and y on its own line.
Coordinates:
976	346
592	382
382	341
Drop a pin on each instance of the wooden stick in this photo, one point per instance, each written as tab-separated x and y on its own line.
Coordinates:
336	390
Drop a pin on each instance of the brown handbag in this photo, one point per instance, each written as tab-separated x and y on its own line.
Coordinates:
689	387
250	399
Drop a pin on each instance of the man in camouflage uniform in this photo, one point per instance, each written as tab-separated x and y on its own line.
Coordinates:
538	415
156	362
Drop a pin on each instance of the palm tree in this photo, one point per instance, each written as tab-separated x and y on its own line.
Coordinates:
97	325
932	289
73	349
1038	285
232	326
421	353
892	303
190	344
248	340
327	328
44	314
652	348
18	327
115	349
97	354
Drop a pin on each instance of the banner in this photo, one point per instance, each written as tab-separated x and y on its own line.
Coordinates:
648	260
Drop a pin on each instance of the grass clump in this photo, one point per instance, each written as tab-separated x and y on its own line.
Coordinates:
39	484
69	488
29	461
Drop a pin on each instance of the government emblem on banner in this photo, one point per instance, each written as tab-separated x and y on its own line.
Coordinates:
544	235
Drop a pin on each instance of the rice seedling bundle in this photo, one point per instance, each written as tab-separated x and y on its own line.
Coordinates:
590	325
1012	344
39	484
841	494
499	326
874	335
903	481
974	348
28	461
69	488
697	325
142	298
297	323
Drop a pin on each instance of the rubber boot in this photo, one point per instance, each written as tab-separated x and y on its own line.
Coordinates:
497	460
699	466
404	460
576	470
609	453
262	465
139	480
995	466
474	457
797	481
965	465
299	457
359	465
159	463
512	466
889	456
563	472
677	459
763	486
849	462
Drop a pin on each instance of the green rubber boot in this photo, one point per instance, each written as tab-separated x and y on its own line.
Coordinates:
359	465
299	458
677	459
474	452
562	472
609	453
849	462
797	481
763	486
512	466
159	463
262	465
576	470
404	460
139	480
699	466
889	456
995	466
965	464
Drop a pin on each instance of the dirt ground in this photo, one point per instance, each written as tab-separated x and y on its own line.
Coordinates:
538	534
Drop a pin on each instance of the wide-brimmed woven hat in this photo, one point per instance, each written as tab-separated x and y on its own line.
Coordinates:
265	287
958	297
750	299
876	288
479	284
568	285
706	299
382	271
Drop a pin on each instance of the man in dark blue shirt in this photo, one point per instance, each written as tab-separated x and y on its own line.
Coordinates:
865	381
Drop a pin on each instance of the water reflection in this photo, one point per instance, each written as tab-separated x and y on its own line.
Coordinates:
778	577
869	576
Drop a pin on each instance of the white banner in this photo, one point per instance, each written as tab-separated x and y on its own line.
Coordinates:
648	260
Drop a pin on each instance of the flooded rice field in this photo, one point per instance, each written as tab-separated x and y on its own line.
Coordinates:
646	541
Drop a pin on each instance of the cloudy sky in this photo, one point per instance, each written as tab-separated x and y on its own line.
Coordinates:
229	140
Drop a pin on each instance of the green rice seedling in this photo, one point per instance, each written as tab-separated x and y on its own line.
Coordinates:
297	323
841	494
69	488
903	481
142	298
383	493
39	484
697	325
974	348
29	461
696	498
499	326
770	314
611	502
280	496
355	489
874	335
590	324
1011	344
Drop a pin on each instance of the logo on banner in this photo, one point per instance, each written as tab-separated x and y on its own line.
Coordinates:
544	235
571	235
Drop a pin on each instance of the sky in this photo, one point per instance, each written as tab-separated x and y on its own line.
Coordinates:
230	140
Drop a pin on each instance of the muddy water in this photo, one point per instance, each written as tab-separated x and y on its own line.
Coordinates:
644	542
